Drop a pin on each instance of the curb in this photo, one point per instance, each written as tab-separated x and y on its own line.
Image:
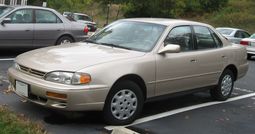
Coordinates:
123	130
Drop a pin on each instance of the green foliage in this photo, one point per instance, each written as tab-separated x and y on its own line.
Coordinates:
237	13
168	8
69	5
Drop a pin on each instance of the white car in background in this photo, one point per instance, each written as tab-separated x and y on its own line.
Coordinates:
82	18
250	45
234	35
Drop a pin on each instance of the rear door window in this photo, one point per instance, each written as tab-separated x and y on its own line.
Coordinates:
44	16
204	39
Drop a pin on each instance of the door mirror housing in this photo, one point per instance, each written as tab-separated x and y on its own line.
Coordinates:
6	20
170	48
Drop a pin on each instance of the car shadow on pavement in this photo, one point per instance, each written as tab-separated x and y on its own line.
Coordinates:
63	117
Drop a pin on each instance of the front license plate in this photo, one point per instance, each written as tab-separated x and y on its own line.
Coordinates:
21	88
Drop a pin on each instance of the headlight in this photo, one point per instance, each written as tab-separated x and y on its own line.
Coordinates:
16	66
68	78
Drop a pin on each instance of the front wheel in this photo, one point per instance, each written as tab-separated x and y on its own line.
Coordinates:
225	86
123	104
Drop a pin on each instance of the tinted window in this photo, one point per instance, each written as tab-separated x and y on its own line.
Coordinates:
181	36
204	39
245	35
44	16
238	34
22	16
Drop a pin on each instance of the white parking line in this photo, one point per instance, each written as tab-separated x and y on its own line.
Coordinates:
7	59
180	110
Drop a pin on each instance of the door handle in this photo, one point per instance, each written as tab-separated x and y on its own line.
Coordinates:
224	57
27	30
193	60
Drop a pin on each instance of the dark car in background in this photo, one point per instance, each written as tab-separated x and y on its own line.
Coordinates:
82	18
31	26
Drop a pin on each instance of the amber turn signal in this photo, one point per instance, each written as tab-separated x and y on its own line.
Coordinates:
56	95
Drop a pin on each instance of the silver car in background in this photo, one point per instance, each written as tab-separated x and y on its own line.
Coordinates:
30	26
234	35
250	45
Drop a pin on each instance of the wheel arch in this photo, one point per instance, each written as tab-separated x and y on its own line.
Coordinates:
66	34
134	78
233	68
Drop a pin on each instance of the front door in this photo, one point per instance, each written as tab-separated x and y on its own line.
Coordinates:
19	32
175	71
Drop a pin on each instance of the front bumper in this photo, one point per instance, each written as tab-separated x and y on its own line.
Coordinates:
79	98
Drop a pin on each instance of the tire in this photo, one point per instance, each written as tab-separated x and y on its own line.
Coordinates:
114	114
64	39
224	89
249	56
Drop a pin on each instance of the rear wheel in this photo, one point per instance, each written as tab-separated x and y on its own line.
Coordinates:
64	40
225	86
123	104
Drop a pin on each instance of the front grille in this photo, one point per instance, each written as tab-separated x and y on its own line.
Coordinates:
32	71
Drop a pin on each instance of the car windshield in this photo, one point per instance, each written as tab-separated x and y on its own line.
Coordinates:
252	36
130	35
4	10
225	31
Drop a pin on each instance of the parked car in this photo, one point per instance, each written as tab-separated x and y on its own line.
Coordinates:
82	18
127	63
234	35
250	45
30	26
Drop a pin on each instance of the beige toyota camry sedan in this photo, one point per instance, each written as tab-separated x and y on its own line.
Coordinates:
127	63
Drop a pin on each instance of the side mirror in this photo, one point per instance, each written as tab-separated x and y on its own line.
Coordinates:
170	48
6	20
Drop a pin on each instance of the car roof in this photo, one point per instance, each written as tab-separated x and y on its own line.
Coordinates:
166	21
33	7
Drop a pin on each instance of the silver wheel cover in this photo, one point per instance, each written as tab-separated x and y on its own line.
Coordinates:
124	104
226	85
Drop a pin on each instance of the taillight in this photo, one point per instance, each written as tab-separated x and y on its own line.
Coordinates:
245	43
86	29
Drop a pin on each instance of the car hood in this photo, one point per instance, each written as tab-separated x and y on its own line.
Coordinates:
73	57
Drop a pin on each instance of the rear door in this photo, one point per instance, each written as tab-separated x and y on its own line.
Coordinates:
19	32
48	28
210	55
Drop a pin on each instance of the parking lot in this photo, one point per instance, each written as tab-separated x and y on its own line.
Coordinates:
192	113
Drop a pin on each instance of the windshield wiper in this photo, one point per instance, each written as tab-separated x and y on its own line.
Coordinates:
114	45
90	41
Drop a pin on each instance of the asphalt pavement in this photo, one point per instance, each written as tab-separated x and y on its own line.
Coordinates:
193	114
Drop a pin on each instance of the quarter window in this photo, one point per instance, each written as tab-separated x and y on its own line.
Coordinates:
204	39
43	16
21	16
180	36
